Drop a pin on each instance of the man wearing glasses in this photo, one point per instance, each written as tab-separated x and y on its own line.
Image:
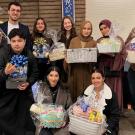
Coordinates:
14	13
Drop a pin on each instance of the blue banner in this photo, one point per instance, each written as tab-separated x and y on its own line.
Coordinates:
68	8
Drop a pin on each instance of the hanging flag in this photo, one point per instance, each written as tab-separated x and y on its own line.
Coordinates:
68	8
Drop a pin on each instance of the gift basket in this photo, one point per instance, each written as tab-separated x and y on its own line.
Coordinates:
109	45
20	74
112	44
85	120
81	55
130	46
131	53
41	48
58	49
45	114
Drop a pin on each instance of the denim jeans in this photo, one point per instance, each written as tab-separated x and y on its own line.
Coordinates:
131	80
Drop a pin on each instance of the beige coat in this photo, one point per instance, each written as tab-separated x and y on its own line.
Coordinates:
79	73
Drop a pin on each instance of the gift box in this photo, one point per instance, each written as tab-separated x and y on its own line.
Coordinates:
109	46
12	83
81	55
19	76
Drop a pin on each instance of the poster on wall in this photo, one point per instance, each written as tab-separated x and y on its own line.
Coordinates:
68	8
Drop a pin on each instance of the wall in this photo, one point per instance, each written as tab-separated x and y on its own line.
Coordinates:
120	12
49	9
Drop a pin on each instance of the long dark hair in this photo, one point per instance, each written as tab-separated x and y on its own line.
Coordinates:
35	31
73	30
97	70
53	68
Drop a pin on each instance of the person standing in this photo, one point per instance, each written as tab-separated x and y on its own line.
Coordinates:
112	63
18	72
67	32
41	45
131	70
79	72
14	13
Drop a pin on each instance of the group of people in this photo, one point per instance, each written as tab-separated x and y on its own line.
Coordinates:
104	77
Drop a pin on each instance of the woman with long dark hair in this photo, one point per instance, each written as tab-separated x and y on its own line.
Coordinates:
57	95
68	30
41	46
101	96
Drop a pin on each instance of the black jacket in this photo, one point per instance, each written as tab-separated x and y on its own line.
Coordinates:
23	28
14	104
112	113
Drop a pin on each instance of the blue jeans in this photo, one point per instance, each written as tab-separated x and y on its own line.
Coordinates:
131	80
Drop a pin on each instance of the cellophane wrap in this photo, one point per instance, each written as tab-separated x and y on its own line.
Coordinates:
57	50
45	114
84	119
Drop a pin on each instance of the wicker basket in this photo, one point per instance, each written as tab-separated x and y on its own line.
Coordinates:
81	55
131	56
81	126
57	54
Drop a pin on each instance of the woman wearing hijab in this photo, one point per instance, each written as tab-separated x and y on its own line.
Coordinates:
18	72
79	72
57	95
112	63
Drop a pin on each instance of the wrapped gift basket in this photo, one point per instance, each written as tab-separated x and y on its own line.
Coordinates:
109	45
83	124
57	50
85	120
131	53
46	114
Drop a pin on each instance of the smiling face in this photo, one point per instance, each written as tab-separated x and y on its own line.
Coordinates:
67	24
53	78
40	26
14	13
17	44
104	30
87	30
97	80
